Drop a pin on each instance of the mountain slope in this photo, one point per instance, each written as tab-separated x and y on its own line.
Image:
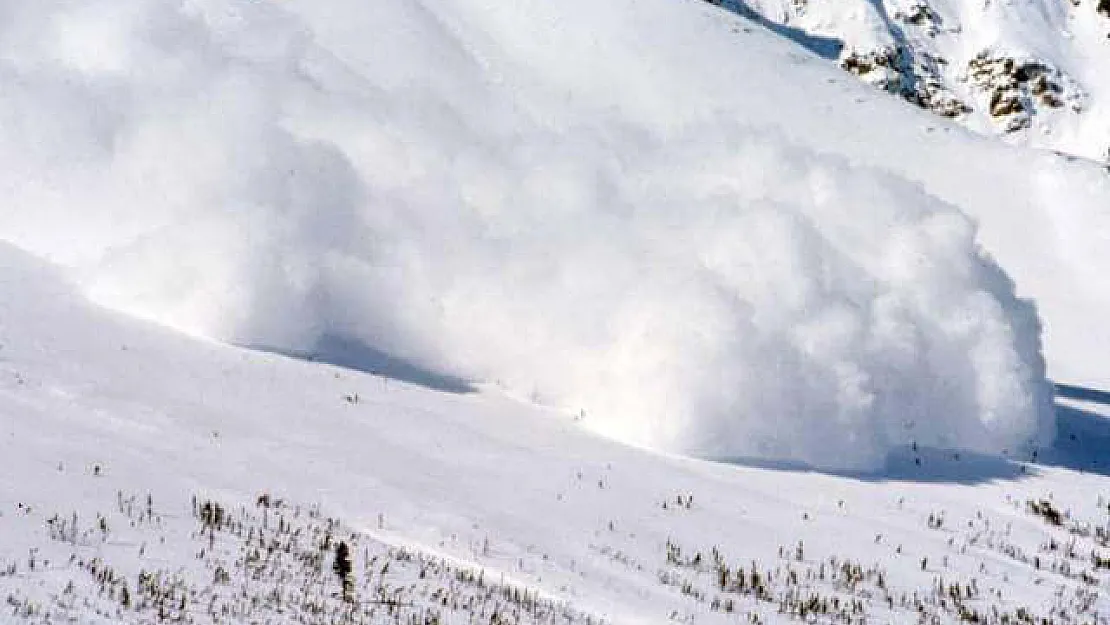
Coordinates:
621	216
1033	71
664	222
102	417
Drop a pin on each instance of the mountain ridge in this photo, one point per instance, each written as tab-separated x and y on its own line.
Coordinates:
1031	72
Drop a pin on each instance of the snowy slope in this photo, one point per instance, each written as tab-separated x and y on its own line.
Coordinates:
1034	72
510	195
114	434
664	222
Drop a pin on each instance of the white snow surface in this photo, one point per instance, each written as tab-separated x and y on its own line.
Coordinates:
649	213
100	414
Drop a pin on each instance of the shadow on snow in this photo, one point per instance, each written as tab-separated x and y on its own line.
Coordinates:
357	356
1082	444
1082	435
827	48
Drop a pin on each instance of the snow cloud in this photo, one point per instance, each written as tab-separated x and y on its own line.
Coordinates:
705	288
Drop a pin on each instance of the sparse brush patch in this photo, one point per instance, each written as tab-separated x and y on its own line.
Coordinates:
279	563
841	590
1046	511
269	564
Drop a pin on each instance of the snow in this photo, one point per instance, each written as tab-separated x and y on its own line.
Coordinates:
516	226
504	195
101	414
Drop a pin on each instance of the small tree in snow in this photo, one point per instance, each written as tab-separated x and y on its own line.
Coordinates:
342	567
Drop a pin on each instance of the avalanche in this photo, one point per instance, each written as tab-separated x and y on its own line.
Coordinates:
119	440
661	218
632	211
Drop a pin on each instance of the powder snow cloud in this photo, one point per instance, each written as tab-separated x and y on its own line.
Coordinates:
703	286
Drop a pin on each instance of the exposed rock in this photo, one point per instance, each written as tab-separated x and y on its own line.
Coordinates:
922	16
1018	88
883	68
917	80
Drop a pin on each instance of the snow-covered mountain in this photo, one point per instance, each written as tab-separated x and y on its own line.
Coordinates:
1035	72
399	263
668	219
147	477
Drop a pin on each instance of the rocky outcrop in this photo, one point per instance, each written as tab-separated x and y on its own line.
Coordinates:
883	68
1017	89
916	79
1004	68
922	16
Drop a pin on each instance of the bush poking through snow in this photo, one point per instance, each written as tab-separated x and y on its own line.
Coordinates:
1046	511
342	567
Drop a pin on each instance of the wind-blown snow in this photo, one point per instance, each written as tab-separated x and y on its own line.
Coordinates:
457	194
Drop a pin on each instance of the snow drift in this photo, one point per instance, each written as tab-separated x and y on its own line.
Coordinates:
439	192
